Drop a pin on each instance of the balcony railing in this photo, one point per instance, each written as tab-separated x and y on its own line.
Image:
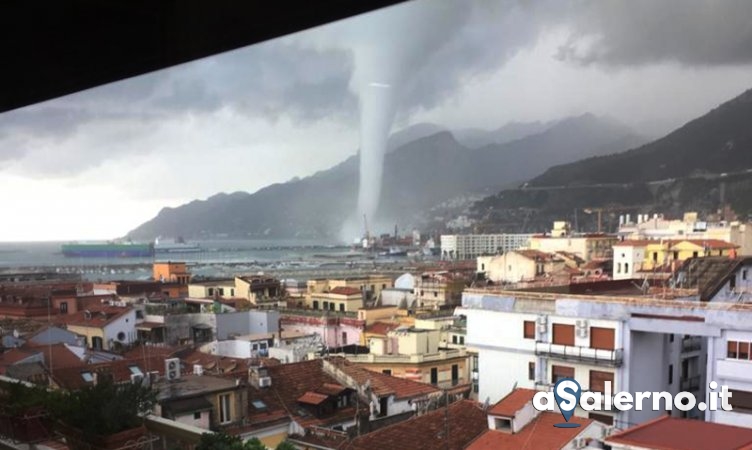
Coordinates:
692	344
691	383
611	358
442	355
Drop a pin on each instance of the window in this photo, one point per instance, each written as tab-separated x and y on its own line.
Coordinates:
676	256
671	337
434	375
655	256
64	308
342	307
454	339
315	304
326	305
87	376
210	292
344	338
135	370
670	374
741	400
598	380
744	350
732	282
387	371
626	267
531	371
694	254
602	418
744	274
732	351
738	350
97	343
224	408
559	372
563	334
618	268
529	330
435	294
602	338
455	373
462	340
197	415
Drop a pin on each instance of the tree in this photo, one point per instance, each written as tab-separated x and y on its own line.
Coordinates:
285	445
224	441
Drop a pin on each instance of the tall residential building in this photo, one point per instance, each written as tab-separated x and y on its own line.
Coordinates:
654	339
470	246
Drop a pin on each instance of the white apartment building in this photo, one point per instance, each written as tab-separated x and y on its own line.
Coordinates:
470	246
640	343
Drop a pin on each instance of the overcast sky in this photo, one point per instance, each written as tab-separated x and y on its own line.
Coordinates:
98	163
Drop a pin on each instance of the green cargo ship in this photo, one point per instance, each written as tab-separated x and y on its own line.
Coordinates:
108	250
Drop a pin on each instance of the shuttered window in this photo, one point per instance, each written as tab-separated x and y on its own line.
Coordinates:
740	399
602	418
529	332
598	380
602	338
563	334
559	372
732	349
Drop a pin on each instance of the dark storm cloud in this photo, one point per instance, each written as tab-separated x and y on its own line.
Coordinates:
309	76
690	32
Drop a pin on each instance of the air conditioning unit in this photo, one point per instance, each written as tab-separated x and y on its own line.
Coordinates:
580	443
137	378
607	431
582	332
582	323
265	381
542	328
172	369
198	369
542	320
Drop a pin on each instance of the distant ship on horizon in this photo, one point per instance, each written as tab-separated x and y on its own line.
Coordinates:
108	249
177	245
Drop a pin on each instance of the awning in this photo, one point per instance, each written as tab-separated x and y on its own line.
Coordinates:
148	326
312	398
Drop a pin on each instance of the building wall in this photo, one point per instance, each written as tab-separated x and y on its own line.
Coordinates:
627	260
175	272
189	419
222	290
510	267
333	333
734	373
470	246
125	324
342	303
421	372
247	322
178	326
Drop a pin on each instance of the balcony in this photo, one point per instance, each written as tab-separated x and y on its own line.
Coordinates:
597	356
692	344
690	383
419	358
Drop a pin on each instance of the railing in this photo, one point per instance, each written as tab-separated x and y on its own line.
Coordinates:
612	358
690	384
692	344
417	358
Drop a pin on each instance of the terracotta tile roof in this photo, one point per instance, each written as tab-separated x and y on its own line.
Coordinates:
539	434
71	377
512	402
312	398
466	420
537	255
345	290
58	356
715	244
381	328
669	433
636	243
99	317
331	389
289	383
382	384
